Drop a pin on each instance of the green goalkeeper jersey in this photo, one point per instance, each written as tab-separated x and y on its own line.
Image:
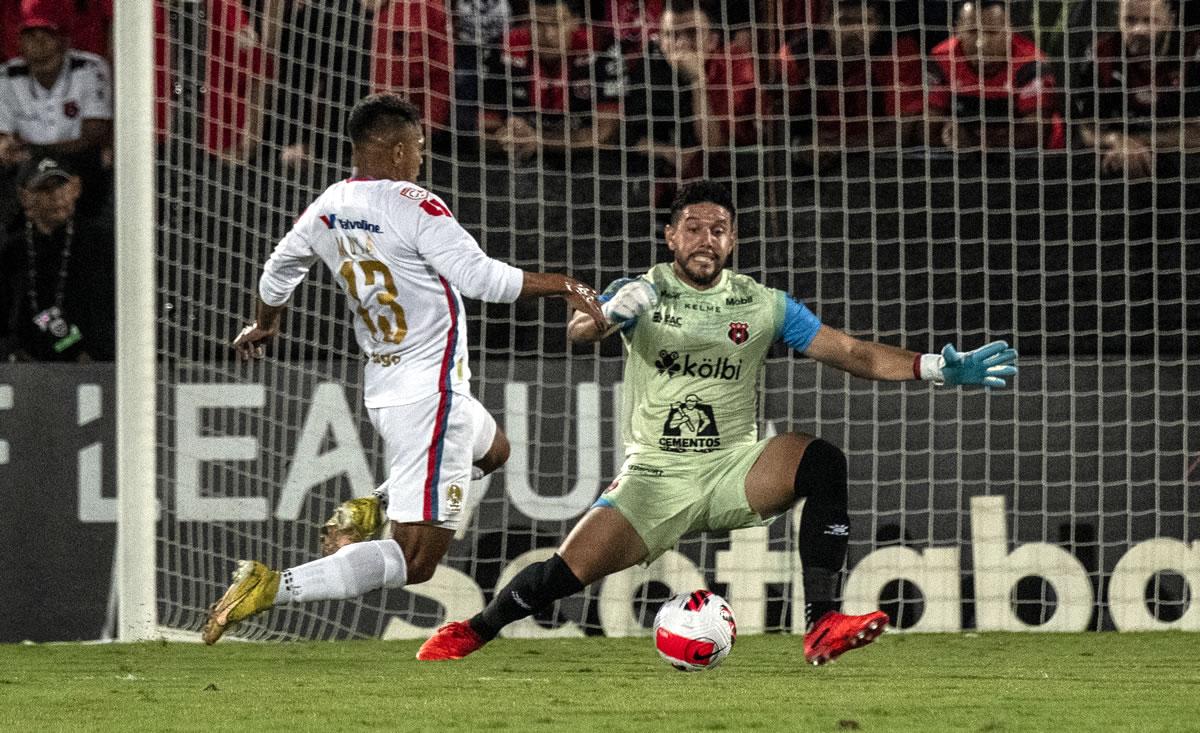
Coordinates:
691	374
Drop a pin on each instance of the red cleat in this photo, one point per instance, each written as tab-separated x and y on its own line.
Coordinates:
455	640
835	633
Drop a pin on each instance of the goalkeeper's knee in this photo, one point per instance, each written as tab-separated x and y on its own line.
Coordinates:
822	477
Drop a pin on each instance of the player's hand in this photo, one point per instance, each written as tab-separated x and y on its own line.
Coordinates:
355	520
987	365
630	301
249	343
582	298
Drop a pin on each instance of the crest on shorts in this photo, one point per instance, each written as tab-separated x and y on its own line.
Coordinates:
739	332
454	499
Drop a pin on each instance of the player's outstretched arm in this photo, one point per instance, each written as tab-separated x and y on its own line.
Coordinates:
989	366
580	298
249	344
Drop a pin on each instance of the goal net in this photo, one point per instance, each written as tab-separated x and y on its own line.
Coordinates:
1065	503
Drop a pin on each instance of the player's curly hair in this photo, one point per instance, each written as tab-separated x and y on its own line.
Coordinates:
378	111
702	192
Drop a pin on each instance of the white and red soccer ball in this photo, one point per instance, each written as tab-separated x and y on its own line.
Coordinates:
695	631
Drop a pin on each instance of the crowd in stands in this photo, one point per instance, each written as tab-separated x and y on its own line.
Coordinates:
56	131
675	84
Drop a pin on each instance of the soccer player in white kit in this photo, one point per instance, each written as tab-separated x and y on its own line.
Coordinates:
404	263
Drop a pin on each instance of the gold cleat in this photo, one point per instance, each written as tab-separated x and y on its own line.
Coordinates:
253	591
355	520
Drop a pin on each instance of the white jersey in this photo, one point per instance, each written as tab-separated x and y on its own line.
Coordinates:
404	263
40	116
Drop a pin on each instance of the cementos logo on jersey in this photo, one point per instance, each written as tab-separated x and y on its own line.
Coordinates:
331	221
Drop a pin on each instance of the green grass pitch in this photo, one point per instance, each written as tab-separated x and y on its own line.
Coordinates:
960	682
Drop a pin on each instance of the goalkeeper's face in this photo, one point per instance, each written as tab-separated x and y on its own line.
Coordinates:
702	240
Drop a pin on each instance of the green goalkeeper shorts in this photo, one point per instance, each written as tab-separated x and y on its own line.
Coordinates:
667	495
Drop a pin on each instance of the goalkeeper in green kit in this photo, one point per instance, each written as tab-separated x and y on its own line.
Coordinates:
697	336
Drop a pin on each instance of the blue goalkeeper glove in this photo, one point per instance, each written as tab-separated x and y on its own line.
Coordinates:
987	365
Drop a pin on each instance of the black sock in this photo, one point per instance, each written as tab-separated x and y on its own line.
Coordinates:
821	479
534	588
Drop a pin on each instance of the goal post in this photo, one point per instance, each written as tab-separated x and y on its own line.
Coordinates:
137	384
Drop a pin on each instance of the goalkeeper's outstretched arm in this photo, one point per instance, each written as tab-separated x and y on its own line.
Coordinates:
989	365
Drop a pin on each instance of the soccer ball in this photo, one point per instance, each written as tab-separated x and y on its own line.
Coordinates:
694	631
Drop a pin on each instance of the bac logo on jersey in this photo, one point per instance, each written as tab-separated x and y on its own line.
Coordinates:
739	332
666	319
416	194
331	221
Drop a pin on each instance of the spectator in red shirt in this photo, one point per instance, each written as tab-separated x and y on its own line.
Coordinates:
412	55
236	67
1141	94
689	99
988	87
553	89
720	82
862	88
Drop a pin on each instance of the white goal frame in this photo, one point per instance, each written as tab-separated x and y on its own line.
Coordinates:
137	507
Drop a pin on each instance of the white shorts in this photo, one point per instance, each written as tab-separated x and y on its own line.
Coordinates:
430	446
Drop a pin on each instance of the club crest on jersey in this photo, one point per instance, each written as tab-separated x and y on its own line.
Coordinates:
71	109
416	194
739	332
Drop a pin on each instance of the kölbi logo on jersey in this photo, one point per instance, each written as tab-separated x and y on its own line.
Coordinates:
332	221
720	368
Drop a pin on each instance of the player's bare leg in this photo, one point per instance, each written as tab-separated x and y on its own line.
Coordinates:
424	546
495	457
796	466
603	542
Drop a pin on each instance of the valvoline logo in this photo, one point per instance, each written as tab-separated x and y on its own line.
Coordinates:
332	221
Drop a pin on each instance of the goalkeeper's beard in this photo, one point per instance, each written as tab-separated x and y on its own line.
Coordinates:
701	274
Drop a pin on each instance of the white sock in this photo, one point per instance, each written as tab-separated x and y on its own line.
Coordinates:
348	573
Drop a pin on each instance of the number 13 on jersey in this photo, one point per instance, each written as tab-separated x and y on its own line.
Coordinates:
377	306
